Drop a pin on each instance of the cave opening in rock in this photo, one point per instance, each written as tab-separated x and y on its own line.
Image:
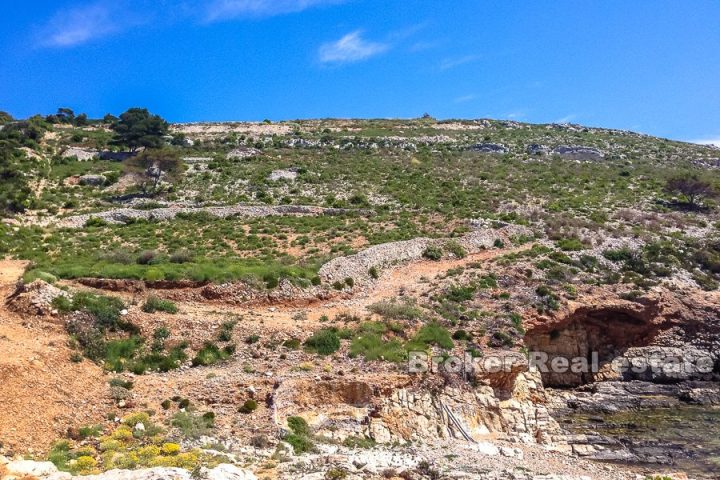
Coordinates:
603	332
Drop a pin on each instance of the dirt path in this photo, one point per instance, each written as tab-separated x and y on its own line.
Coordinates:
42	392
412	279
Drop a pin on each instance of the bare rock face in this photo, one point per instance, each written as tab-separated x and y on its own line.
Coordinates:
242	153
35	298
289	174
660	364
395	409
92	180
471	415
579	152
489	148
82	154
674	337
48	471
537	149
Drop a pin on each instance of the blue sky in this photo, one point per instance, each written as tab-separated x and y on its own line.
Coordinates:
646	65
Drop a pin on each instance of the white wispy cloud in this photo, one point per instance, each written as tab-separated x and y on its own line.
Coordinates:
707	141
79	25
350	48
567	118
453	62
98	19
218	10
465	98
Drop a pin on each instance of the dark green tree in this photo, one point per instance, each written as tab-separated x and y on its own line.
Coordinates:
694	189
81	120
139	128
5	117
157	165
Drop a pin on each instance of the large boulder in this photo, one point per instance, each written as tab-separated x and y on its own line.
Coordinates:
35	298
661	364
289	174
579	152
489	148
241	153
92	180
82	154
48	471
537	149
32	469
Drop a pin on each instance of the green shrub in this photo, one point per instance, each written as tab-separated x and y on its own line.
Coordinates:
392	309
95	222
147	257
432	252
359	442
209	354
430	334
292	343
461	335
89	431
487	281
181	256
33	275
121	382
570	244
372	347
226	330
156	304
153	275
298	426
192	425
455	249
323	342
300	443
460	293
248	407
105	310
373	272
618	255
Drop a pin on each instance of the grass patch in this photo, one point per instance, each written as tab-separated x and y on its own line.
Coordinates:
156	304
323	342
210	354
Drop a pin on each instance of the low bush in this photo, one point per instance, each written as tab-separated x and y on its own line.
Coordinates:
397	310
193	425
156	304
226	330
455	249
372	346
210	354
248	407
300	438
428	335
432	252
33	275
570	244
359	442
323	342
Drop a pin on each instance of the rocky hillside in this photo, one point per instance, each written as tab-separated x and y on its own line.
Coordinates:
329	298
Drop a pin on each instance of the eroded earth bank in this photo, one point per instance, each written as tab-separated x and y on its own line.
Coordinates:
356	409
